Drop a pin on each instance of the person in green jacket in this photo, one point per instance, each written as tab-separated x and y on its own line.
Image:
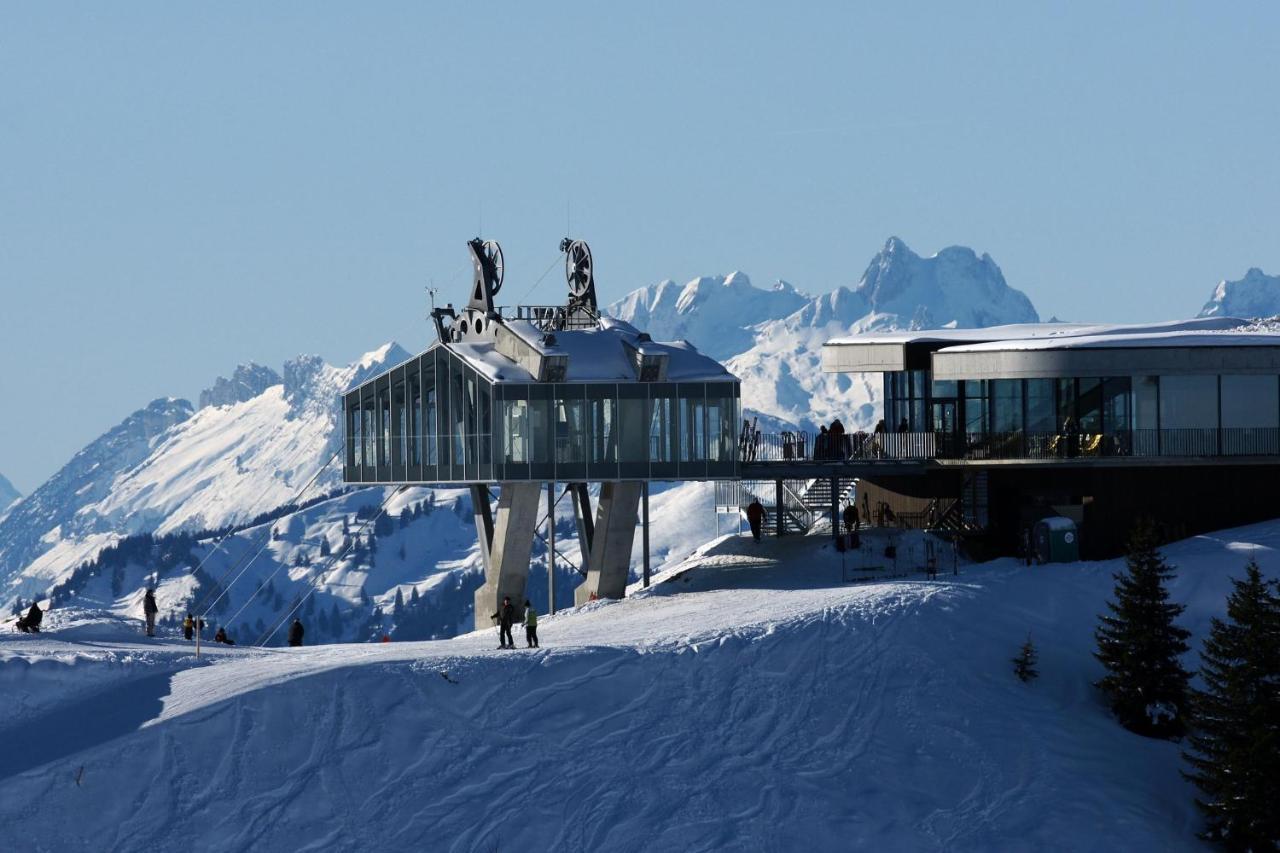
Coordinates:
530	625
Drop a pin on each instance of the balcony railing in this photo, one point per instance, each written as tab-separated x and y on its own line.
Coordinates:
799	447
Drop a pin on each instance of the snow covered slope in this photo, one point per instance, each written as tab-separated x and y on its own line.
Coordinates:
166	468
1255	295
750	701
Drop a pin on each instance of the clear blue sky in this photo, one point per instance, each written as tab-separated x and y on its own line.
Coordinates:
184	187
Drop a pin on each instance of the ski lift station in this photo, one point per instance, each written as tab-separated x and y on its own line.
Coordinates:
985	433
539	396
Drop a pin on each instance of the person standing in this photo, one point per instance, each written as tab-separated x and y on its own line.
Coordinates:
835	439
850	518
188	627
530	625
149	609
506	617
295	632
755	517
30	624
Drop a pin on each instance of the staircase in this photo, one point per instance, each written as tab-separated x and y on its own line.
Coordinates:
816	495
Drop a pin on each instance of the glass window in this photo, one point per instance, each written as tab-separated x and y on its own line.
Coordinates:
540	428
661	410
693	429
633	425
515	431
1006	405
399	420
945	388
368	431
414	430
571	426
384	426
722	423
484	418
1089	405
1116	413
602	422
1188	402
458	403
1250	401
975	406
1041	411
353	430
1145	397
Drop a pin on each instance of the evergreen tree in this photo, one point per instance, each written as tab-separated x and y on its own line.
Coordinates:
1024	665
413	597
1140	646
1235	740
399	606
406	516
324	546
297	558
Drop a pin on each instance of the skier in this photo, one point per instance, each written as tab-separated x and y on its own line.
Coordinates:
188	627
505	617
150	609
530	625
295	632
221	637
755	517
30	624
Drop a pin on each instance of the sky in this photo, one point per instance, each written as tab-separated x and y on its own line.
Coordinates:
188	186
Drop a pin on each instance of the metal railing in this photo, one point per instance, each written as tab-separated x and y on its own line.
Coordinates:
799	447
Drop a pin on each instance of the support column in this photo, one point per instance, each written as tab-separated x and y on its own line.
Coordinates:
779	524
835	508
582	518
551	548
613	536
644	528
506	542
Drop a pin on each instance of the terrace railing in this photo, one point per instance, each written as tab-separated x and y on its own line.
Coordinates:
887	447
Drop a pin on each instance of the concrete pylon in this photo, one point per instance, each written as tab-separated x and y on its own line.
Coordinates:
506	540
609	551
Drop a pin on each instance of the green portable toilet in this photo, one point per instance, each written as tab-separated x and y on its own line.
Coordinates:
1056	540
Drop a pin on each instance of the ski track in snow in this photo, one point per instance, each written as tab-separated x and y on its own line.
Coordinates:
748	700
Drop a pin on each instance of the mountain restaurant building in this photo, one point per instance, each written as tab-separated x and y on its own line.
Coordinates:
1099	424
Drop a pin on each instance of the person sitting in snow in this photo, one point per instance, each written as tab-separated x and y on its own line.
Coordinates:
530	625
30	624
149	609
221	637
295	632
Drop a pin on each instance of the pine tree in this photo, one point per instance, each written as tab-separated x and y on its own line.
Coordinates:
413	597
1024	665
399	606
1235	740
406	516
1140	646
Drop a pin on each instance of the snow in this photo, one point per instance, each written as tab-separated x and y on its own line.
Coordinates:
1202	332
749	700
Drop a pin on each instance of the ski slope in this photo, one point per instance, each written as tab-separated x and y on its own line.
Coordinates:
749	700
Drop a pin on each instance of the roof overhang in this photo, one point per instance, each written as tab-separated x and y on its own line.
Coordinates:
876	356
959	364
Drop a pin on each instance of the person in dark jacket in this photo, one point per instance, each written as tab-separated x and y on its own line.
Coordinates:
506	617
30	624
295	632
835	440
850	518
221	637
150	610
755	517
821	444
188	627
530	625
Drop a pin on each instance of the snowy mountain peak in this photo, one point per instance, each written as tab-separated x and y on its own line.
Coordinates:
954	287
248	381
1255	295
714	313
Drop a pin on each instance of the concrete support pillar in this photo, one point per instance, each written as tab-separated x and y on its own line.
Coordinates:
780	528
582	517
551	548
644	528
610	551
835	508
506	541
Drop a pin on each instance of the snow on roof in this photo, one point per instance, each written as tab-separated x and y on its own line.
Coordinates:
1058	522
1204	331
595	355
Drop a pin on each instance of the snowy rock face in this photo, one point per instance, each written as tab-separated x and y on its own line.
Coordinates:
53	512
1255	295
714	313
248	381
167	468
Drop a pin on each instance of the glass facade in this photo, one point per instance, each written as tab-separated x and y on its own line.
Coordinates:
1175	415
436	420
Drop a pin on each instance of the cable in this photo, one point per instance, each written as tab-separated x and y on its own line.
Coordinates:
265	539
545	273
312	584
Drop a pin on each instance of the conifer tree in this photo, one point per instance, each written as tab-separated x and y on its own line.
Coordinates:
406	516
1024	665
1235	740
413	597
324	546
399	602
1140	646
